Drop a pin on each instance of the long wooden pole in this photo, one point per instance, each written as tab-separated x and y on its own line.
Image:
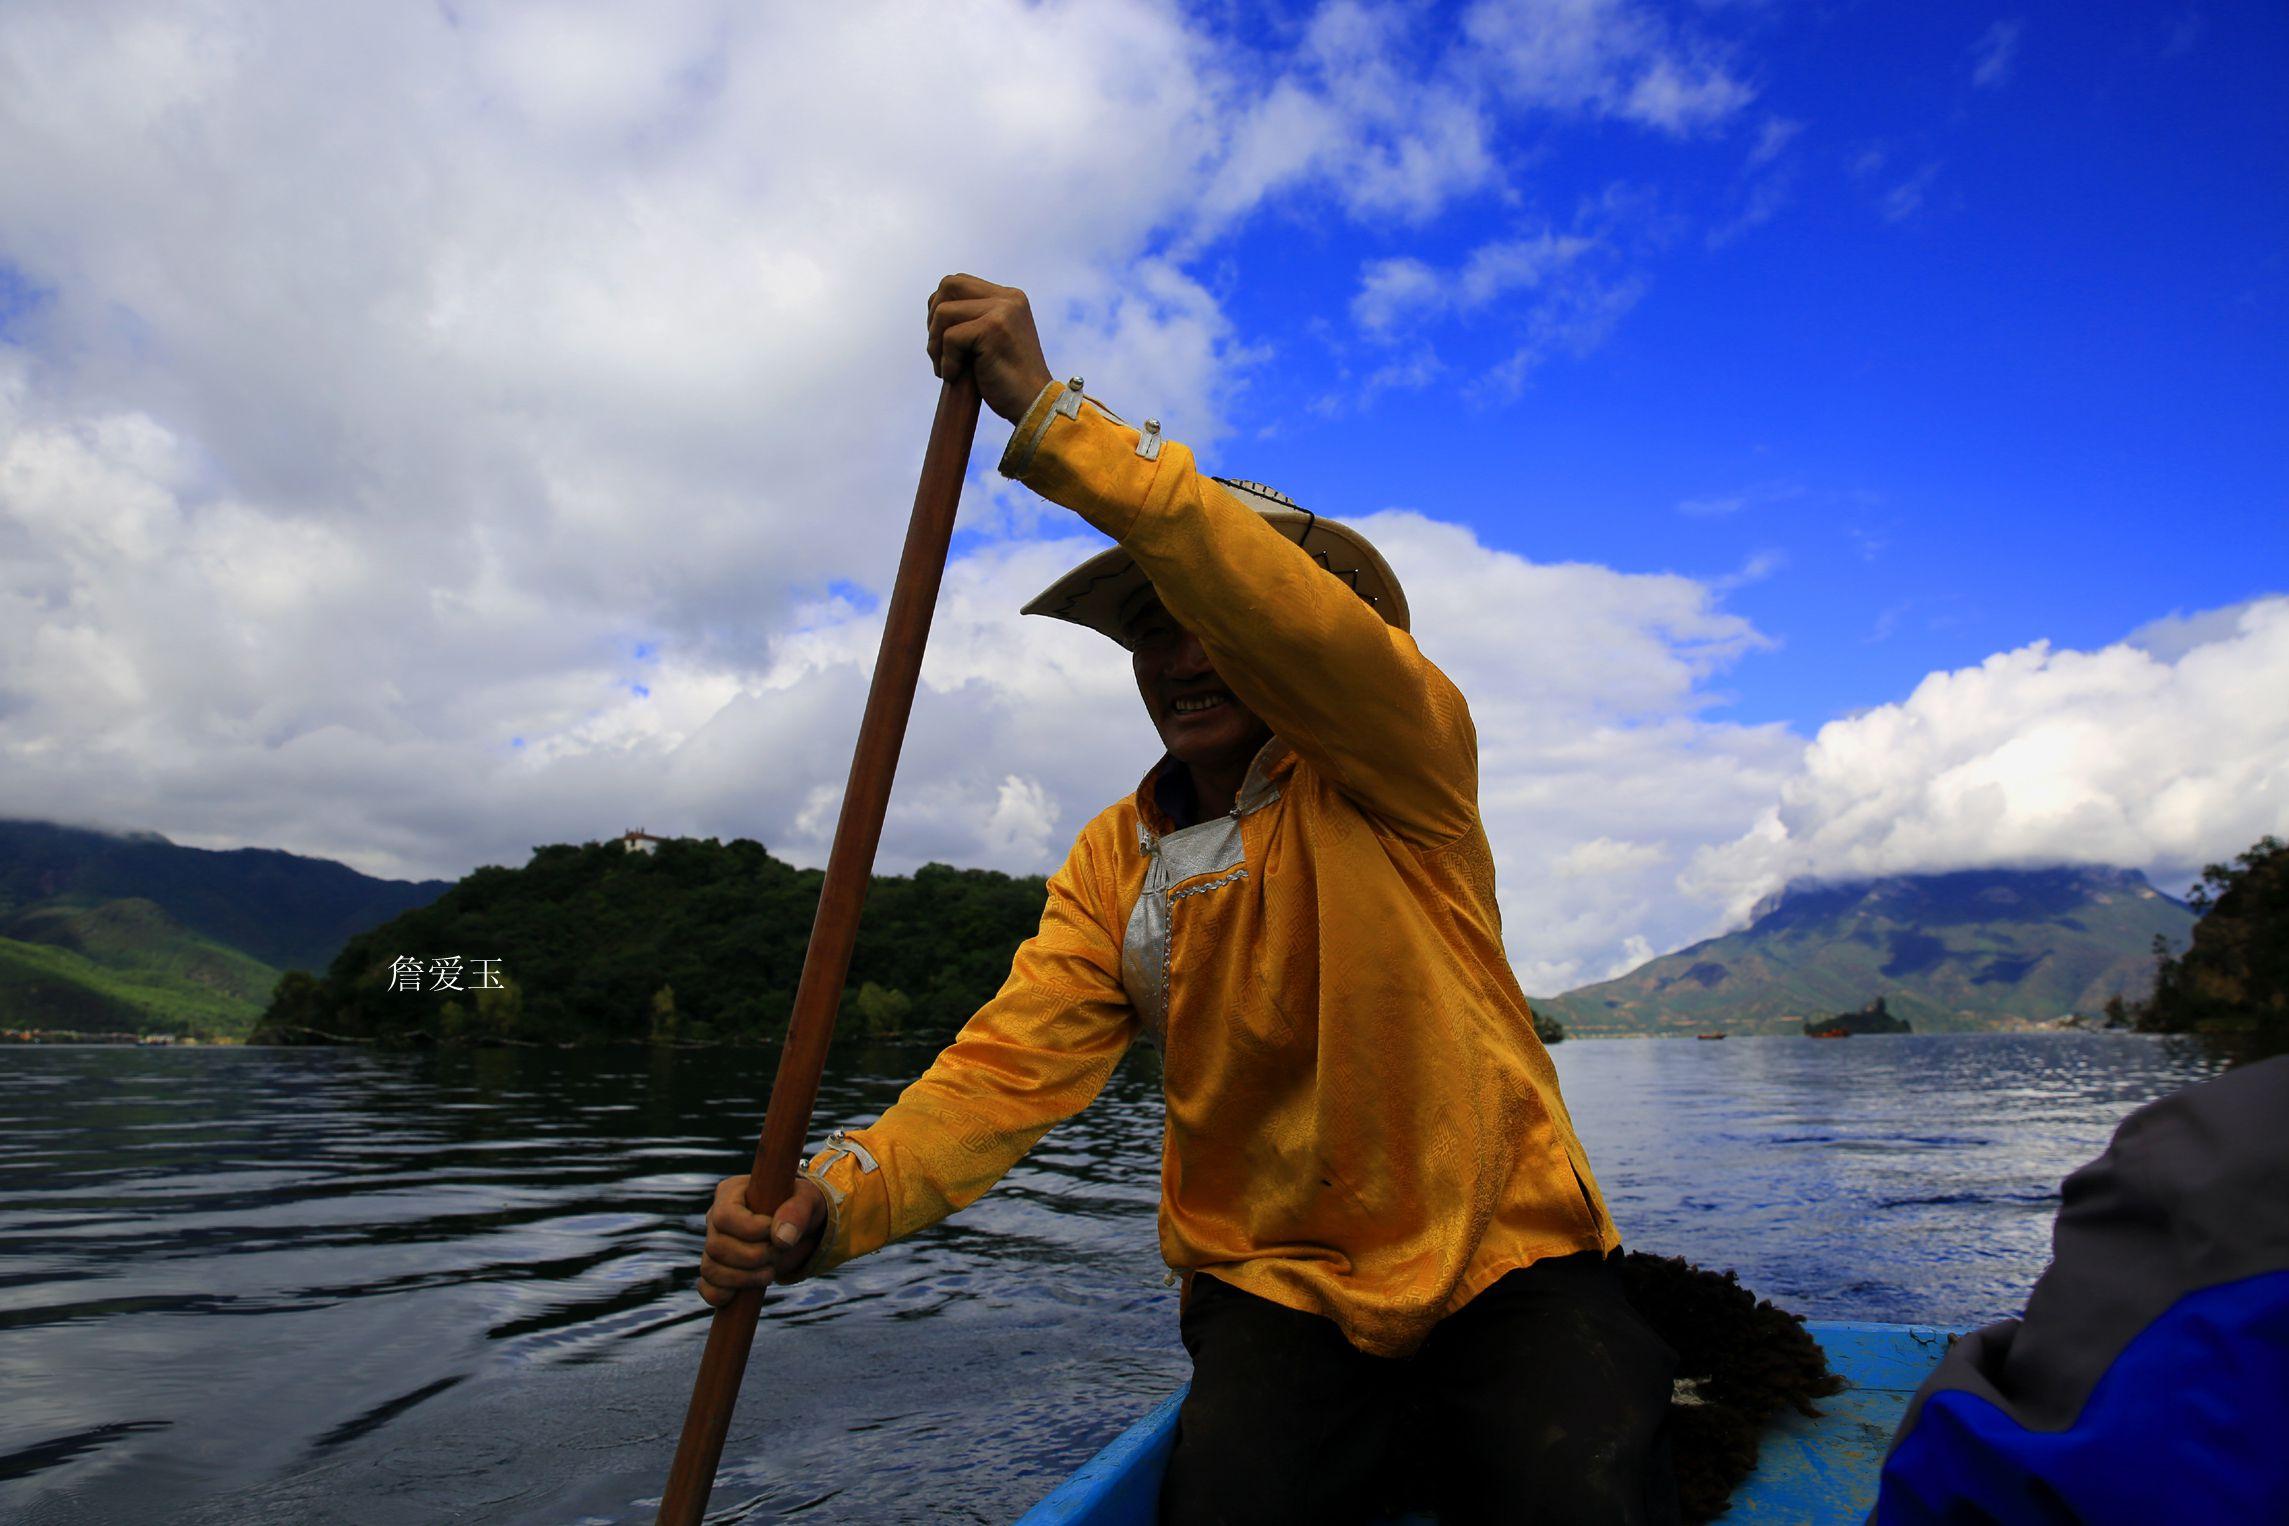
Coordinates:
889	700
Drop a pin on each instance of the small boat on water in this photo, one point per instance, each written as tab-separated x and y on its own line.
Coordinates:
1807	1470
1708	1035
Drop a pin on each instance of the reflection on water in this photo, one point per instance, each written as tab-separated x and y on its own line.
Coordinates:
302	1285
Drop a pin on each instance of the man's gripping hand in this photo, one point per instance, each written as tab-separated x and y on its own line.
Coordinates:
747	1250
989	328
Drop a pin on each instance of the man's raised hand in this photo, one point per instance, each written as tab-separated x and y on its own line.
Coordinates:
988	328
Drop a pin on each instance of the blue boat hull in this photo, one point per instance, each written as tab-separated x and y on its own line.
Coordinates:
1808	1470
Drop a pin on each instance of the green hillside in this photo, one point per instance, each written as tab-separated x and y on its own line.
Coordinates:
124	967
1948	952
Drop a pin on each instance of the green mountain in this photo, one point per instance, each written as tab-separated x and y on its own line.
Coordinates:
1979	949
283	909
101	932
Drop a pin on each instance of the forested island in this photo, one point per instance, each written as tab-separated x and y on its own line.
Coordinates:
1872	1018
697	942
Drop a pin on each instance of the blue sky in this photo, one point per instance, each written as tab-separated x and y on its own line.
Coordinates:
1821	440
2006	362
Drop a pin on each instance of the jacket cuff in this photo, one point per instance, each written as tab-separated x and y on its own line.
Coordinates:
858	1203
1025	439
1074	451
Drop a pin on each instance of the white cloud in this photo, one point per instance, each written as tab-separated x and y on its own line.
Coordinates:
1348	116
1604	58
1397	292
239	677
399	372
1599	774
1906	199
1396	289
2175	634
1599	777
446	432
1604	855
1993	55
1024	821
1635	951
1755	568
1669	97
1768	176
1571	300
2159	756
1575	319
1418	141
1416	369
1772	137
1752	495
1507	265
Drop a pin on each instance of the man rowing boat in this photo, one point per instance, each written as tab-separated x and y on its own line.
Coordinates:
1390	1238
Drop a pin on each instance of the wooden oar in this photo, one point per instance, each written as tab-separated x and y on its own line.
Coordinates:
788	1119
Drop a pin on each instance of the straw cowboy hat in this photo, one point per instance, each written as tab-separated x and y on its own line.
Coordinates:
1105	591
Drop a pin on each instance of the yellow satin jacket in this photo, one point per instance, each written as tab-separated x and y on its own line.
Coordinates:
1361	1122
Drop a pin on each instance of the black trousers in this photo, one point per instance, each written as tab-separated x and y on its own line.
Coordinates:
1545	1399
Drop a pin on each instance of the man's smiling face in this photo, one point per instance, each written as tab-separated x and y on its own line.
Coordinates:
1201	722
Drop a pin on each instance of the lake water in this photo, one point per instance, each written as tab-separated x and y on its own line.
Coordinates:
325	1285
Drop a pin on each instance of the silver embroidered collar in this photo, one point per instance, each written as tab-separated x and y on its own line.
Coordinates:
1211	847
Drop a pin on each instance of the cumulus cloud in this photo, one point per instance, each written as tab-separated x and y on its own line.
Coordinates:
2161	753
430	432
1412	141
383	380
1601	773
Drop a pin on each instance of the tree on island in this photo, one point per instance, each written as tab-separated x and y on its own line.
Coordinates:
2232	982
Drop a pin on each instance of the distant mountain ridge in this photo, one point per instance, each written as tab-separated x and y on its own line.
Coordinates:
128	932
1964	951
288	911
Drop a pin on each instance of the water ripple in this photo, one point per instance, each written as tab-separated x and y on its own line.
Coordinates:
306	1285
